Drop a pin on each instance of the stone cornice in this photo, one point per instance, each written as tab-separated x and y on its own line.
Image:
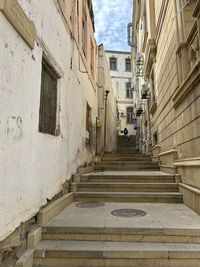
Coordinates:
189	162
170	151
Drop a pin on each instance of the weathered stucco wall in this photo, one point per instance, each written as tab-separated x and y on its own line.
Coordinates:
33	166
105	83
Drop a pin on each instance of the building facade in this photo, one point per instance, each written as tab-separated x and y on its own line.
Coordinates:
166	47
121	74
107	107
48	106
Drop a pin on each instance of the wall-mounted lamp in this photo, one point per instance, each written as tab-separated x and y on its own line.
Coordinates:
106	94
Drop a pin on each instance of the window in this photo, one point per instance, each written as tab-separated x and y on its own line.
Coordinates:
84	32
88	126
155	138
129	92
152	86
88	118
92	58
48	100
113	63
128	64
152	100
129	112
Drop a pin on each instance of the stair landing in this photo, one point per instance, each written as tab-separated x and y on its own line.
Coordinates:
159	215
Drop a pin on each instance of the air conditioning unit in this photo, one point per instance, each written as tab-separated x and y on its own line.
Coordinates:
144	91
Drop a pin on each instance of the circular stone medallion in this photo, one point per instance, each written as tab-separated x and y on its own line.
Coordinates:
90	204
128	213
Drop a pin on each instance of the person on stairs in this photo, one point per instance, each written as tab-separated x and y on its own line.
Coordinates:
126	136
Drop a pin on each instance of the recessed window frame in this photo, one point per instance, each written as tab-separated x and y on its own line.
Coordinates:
129	91
84	32
48	74
113	63
127	64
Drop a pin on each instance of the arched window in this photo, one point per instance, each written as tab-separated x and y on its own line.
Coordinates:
129	115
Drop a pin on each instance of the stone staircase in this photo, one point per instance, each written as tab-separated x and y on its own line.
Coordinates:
125	214
145	185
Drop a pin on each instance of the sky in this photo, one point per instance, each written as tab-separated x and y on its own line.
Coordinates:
111	19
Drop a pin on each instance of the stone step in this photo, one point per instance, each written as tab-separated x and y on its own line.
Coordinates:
125	150
129	151
127	187
126	155
142	197
116	167
135	178
128	162
125	158
110	254
119	147
167	235
125	147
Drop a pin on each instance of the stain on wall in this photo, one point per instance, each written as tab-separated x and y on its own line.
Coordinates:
14	128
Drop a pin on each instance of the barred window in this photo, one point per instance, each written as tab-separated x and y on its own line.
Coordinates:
48	100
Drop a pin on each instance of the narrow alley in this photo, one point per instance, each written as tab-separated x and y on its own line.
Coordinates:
124	213
99	133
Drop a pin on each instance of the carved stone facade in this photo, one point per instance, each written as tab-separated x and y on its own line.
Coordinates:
167	36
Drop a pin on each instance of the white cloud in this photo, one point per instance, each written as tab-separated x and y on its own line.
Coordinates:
111	19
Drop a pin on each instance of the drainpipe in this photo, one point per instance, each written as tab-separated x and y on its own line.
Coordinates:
149	123
129	35
105	118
